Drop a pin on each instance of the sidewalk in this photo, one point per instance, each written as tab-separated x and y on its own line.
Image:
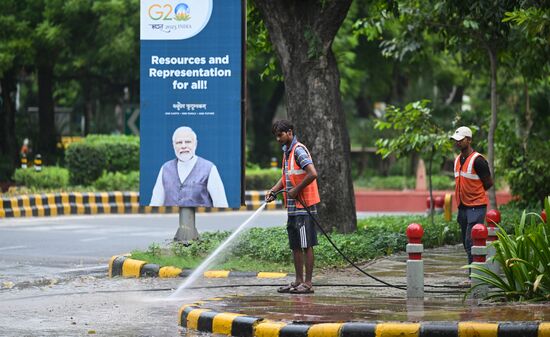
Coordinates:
348	296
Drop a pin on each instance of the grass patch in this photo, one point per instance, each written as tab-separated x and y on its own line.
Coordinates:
266	249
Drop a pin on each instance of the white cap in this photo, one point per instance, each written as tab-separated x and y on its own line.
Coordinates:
462	132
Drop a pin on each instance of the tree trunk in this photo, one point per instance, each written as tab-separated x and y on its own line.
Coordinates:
302	33
262	117
88	108
432	203
46	114
492	126
528	116
8	145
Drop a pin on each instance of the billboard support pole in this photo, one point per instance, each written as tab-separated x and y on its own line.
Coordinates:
187	231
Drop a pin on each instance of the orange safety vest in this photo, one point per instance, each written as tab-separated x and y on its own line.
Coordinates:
310	194
469	189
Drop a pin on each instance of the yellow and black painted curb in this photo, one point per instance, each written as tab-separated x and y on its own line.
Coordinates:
120	265
191	316
74	203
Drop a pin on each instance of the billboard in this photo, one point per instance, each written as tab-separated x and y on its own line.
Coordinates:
192	101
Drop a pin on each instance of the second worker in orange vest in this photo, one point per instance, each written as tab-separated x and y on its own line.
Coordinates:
472	179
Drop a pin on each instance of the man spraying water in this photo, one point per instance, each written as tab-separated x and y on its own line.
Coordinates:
299	180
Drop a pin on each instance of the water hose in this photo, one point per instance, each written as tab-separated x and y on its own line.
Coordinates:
353	264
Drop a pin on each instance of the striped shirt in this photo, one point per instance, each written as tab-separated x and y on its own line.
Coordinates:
303	159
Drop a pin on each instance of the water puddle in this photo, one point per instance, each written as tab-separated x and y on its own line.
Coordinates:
324	309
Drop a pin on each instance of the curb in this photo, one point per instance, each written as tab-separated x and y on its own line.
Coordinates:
74	203
128	267
190	316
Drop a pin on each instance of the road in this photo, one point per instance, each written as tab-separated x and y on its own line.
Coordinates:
43	248
38	248
53	274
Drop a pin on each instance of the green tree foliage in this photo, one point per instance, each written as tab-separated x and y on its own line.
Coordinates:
414	130
15	52
526	168
474	29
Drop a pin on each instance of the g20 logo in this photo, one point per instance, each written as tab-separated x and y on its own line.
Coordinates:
174	19
181	12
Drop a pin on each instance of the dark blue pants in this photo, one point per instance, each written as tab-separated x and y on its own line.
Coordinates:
468	218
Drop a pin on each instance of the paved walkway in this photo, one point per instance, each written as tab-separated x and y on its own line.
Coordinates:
347	295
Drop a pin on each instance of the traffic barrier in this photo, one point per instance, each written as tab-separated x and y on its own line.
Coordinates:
415	265
38	163
437	204
121	265
479	255
492	218
75	203
24	161
192	317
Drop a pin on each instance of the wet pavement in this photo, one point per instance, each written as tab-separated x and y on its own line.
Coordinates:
95	305
346	295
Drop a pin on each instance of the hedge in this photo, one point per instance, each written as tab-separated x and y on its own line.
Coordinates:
86	160
118	181
49	177
258	179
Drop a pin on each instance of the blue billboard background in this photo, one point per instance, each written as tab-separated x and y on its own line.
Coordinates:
210	102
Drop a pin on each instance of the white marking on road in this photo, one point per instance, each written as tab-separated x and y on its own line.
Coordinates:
55	228
12	247
97	268
93	239
156	234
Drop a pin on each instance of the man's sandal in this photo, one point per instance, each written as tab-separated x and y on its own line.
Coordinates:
288	288
303	288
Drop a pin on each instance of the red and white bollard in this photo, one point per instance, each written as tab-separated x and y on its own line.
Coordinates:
479	255
439	203
415	265
492	218
430	204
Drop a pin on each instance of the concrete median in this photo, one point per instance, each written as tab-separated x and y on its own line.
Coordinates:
75	203
120	265
192	317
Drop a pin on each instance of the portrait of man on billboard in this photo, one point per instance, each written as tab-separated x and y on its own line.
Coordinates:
188	180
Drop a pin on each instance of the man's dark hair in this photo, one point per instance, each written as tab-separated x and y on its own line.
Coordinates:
281	126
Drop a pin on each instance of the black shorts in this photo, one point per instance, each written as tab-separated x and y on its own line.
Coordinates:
301	232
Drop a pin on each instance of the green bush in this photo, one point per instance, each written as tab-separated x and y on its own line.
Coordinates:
439	182
261	179
121	152
375	237
117	181
528	173
49	177
524	258
85	162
